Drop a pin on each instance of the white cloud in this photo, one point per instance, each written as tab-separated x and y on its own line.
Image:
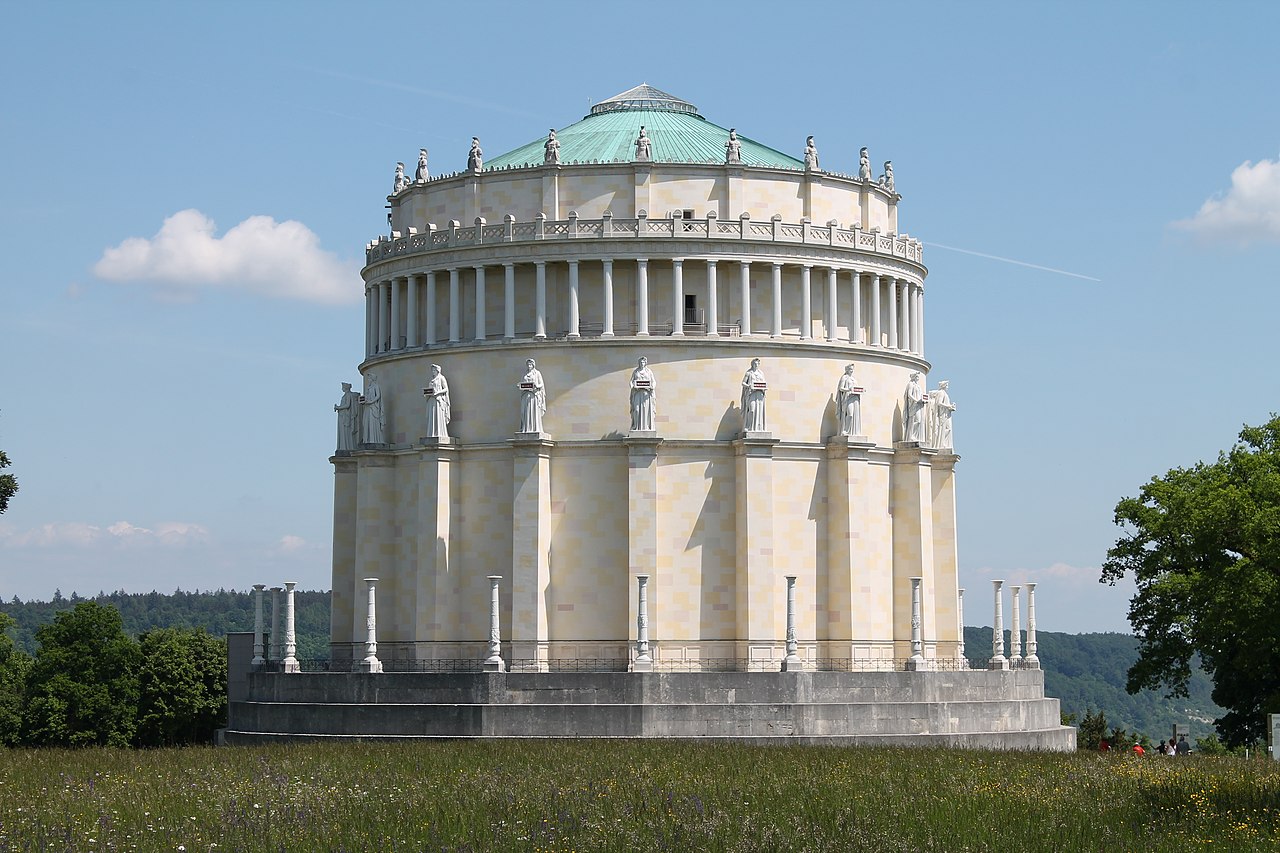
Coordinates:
290	543
1248	212
277	259
80	534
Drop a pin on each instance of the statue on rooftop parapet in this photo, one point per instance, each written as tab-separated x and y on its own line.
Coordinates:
373	424
886	180
348	419
753	391
551	151
475	158
644	395
940	410
642	146
849	404
533	398
913	403
421	175
864	165
439	410
732	148
810	155
400	180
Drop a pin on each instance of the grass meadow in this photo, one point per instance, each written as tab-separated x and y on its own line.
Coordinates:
553	795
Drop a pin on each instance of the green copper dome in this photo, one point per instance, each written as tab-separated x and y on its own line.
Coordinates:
677	134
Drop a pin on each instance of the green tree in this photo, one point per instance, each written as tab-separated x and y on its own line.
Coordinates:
14	665
182	687
1093	730
83	685
8	483
1203	545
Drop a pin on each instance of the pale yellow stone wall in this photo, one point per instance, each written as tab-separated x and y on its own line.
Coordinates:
592	194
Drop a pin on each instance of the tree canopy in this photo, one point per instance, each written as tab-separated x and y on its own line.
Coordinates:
8	483
1203	546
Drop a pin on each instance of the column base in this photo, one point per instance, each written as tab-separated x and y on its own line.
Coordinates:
291	665
1031	662
639	665
917	663
369	665
792	663
493	665
1000	663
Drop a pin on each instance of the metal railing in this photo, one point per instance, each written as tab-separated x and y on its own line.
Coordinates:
725	664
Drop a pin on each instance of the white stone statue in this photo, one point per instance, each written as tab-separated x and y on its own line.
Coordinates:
753	390
400	180
939	411
913	403
438	405
373	424
475	158
733	148
642	145
551	151
421	175
644	396
849	403
886	180
348	418
533	398
810	154
864	165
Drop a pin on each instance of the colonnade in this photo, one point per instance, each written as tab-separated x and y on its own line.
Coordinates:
894	321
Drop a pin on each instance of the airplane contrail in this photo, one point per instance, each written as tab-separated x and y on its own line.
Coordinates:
1012	261
417	90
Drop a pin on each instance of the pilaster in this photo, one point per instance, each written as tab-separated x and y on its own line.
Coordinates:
375	543
642	524
946	575
437	569
756	584
531	550
342	630
911	505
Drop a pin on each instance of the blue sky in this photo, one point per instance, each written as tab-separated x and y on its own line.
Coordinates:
170	417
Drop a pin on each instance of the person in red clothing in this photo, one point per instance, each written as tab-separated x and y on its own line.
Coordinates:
1138	750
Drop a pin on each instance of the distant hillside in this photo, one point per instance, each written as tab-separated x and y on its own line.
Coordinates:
1084	671
1088	671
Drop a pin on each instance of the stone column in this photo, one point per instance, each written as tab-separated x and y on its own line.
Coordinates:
917	627
509	302
677	296
855	318
1015	632
370	331
494	662
482	322
892	284
411	332
831	321
371	662
643	661
455	306
1031	661
920	318
713	301
792	662
744	268
998	660
290	638
642	296
961	661
258	659
540	301
384	316
754	551
806	302
431	309
904	337
607	284
874	330
775	324
275	649
395	313
531	550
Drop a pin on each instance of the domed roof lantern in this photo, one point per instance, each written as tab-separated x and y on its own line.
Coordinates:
644	97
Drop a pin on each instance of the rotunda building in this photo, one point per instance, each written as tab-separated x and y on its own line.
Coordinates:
776	442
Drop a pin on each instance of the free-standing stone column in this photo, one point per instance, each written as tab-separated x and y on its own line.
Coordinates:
606	279
643	661
455	306
290	638
275	648
792	662
1015	633
258	659
1031	661
917	627
531	550
998	660
371	662
540	300
395	313
744	277
574	331
642	296
509	302
775	324
961	661
430	337
677	296
806	302
411	332
855	314
892	284
494	662
875	311
482	322
832	301
713	302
